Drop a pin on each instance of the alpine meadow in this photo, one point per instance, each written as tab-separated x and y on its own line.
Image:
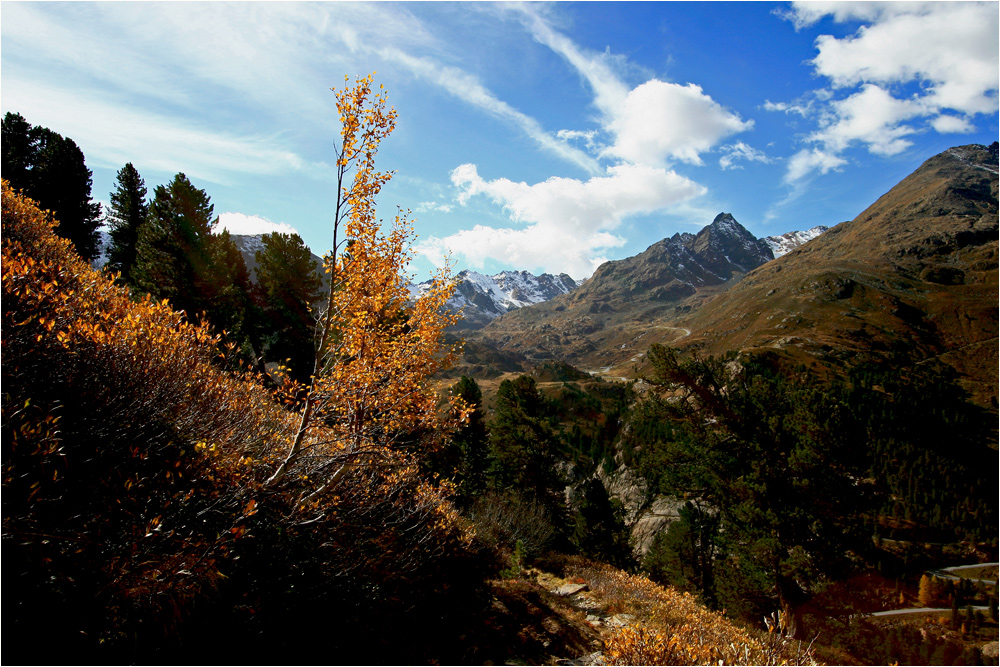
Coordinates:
687	364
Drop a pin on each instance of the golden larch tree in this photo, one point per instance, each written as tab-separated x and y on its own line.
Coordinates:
375	348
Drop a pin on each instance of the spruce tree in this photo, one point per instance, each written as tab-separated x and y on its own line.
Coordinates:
173	250
126	215
472	443
289	286
51	170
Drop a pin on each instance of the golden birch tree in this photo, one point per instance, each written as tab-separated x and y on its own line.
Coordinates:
375	350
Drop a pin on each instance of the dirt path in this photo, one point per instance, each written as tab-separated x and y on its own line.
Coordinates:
922	610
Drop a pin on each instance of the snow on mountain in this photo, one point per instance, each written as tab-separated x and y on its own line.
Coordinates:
103	245
484	298
784	244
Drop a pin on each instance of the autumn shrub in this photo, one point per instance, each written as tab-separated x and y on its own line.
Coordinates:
672	628
137	522
116	425
504	519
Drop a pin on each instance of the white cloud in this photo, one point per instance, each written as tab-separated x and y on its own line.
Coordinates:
946	124
568	222
947	49
240	223
807	161
950	47
871	116
741	151
433	206
786	108
658	121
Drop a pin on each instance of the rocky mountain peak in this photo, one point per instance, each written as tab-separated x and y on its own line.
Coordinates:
729	247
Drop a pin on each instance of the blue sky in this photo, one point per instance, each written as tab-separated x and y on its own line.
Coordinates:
541	136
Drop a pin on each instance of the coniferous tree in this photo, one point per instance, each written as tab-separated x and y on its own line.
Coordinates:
20	151
599	529
523	447
471	441
126	215
50	169
778	457
173	252
289	285
233	296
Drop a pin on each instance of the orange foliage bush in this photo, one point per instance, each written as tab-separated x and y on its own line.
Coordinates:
134	473
674	629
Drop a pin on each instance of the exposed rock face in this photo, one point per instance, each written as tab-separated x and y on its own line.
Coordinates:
601	322
672	269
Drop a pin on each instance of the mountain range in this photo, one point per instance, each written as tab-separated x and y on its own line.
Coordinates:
711	257
916	271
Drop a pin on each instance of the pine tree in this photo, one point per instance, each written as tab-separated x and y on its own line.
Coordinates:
232	296
290	286
523	446
173	251
51	170
126	215
774	453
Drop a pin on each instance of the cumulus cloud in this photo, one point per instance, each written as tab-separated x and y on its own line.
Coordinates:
807	161
243	224
948	49
567	224
659	121
871	116
947	124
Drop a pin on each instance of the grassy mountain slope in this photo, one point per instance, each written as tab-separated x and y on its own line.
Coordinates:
917	270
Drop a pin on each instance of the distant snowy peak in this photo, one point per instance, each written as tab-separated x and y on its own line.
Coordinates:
484	298
784	244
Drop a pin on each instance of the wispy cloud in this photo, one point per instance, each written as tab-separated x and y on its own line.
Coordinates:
109	135
741	151
467	88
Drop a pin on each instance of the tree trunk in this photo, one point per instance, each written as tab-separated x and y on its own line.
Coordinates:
792	598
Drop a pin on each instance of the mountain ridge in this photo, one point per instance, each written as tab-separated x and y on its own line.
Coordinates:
916	271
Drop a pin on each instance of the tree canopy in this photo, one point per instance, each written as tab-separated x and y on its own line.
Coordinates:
50	169
128	211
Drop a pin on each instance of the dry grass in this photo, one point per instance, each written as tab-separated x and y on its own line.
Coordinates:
672	628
